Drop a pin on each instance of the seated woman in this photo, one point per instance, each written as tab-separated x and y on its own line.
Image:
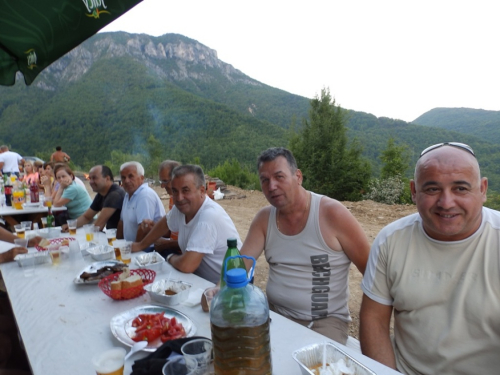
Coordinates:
70	194
50	185
30	173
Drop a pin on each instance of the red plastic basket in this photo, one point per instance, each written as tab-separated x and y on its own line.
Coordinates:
147	276
54	241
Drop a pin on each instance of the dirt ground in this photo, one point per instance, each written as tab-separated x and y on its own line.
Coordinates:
371	215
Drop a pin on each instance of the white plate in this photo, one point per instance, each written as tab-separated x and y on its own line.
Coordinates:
32	204
93	268
121	324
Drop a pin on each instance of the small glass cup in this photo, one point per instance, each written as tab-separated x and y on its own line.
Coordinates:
44	222
27	224
110	362
48	202
126	252
29	264
20	230
209	295
55	254
111	236
177	366
89	232
198	355
72	227
21	242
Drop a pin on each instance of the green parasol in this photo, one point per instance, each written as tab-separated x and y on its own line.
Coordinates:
35	33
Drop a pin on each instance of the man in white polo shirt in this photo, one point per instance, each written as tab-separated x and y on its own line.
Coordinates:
140	203
203	226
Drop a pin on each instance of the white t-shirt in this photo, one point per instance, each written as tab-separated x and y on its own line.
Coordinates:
446	296
206	233
11	161
144	204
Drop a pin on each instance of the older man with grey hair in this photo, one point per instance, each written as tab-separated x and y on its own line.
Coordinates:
140	203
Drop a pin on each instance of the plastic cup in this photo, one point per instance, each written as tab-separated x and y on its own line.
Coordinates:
198	355
20	230
44	222
177	366
116	246
72	227
209	294
28	264
110	362
126	252
55	254
111	236
27	224
89	232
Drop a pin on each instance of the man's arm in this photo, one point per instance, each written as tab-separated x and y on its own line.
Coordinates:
148	239
256	237
9	256
1	164
338	225
119	231
188	262
374	332
103	217
7	236
86	218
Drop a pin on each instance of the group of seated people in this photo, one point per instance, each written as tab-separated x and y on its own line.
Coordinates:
437	270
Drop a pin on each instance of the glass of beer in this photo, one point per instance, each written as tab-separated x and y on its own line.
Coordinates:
126	252
44	222
55	254
116	245
72	227
89	232
111	236
111	362
48	202
20	230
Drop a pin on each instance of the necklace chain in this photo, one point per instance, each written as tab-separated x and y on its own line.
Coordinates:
305	210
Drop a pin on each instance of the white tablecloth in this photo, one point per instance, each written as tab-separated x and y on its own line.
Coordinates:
63	324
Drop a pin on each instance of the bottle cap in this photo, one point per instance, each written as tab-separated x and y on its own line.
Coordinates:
232	242
236	278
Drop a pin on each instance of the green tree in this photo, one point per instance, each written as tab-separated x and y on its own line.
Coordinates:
330	166
396	160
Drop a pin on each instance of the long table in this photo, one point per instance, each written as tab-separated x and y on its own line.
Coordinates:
9	213
63	324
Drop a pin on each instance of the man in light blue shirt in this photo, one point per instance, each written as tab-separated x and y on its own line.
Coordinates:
140	203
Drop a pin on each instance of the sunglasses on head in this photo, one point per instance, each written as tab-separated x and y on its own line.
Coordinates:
463	146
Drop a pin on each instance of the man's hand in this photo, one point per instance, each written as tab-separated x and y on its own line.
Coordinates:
34	241
147	225
64	228
136	247
9	256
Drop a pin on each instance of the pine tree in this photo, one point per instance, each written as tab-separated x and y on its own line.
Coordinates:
330	166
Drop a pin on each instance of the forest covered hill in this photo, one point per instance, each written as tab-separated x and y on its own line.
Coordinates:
127	93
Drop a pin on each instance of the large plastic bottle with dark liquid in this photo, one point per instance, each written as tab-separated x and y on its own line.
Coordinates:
239	320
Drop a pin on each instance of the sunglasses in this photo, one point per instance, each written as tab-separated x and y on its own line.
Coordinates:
463	146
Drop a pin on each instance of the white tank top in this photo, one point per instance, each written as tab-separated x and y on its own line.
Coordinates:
307	279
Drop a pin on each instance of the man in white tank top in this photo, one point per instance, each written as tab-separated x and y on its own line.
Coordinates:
309	241
438	271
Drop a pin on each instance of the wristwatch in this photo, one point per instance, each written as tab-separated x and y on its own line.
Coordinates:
169	256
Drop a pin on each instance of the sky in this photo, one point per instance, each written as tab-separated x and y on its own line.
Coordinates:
391	58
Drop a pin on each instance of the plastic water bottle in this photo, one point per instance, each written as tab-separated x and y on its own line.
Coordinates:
239	320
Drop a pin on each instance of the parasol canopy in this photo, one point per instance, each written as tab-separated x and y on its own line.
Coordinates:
35	33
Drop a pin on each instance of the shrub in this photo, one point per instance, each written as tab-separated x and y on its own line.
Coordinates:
388	190
232	173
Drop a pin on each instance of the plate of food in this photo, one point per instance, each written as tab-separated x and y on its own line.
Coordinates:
45	243
94	272
154	324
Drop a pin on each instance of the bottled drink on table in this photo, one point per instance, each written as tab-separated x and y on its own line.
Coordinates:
50	218
8	193
239	321
235	262
18	196
34	193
